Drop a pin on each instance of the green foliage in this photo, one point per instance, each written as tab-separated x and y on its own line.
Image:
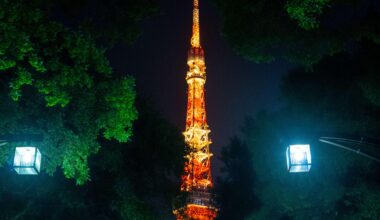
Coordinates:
119	102
130	206
370	87
369	207
306	11
5	152
285	195
60	86
154	160
360	202
23	78
49	57
300	31
236	188
326	101
370	82
146	169
134	180
370	77
6	64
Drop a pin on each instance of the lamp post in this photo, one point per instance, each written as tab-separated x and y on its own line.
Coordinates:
3	142
337	142
298	157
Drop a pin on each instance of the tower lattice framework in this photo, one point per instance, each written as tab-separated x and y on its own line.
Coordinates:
196	201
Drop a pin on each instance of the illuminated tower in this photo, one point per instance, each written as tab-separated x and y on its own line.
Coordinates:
196	201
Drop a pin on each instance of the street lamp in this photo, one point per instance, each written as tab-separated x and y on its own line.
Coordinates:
298	158
27	160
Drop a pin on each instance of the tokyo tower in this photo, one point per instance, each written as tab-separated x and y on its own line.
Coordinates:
196	202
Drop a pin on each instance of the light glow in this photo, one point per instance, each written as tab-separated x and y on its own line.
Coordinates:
27	161
298	158
196	179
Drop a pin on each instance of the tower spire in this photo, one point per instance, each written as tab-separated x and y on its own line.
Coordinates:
195	39
196	201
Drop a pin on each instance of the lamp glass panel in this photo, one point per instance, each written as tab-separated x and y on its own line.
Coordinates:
298	158
27	160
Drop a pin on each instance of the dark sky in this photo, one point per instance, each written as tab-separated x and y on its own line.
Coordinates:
235	88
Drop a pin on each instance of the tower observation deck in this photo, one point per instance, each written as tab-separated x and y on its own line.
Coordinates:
196	202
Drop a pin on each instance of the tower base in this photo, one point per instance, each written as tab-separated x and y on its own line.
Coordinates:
196	205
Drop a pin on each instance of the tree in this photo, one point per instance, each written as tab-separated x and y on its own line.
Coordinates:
327	101
306	12
301	31
134	180
57	82
153	161
236	187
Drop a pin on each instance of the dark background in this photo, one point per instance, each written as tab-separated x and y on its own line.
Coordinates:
235	88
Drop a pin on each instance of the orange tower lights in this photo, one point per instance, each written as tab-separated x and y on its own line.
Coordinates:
196	202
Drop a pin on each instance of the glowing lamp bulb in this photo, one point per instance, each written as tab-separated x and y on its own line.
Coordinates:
298	158
27	160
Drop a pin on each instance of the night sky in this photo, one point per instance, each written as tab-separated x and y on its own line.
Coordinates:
59	100
235	88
